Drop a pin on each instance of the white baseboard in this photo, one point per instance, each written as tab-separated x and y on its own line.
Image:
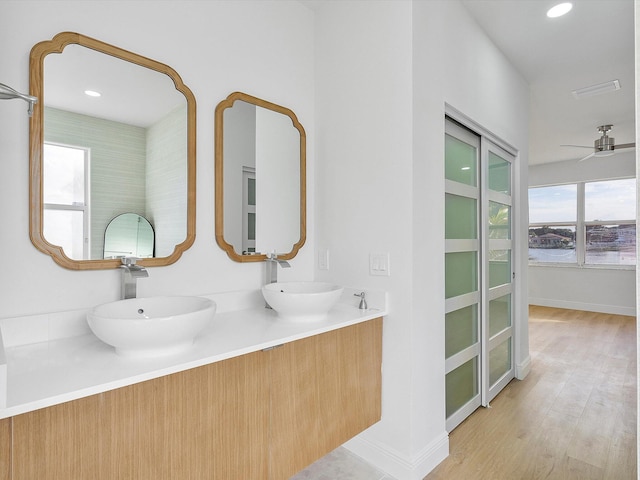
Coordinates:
523	368
397	465
588	307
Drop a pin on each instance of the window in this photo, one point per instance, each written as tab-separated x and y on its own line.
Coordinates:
610	227
590	223
65	186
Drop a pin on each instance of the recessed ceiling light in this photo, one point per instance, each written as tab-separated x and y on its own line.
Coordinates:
92	93
559	10
465	168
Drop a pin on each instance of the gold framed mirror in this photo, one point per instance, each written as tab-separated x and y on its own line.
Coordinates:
260	169
131	147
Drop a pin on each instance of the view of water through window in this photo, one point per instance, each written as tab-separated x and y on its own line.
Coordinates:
606	233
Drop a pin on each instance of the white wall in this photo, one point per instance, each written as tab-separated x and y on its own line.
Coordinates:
385	71
278	186
594	289
264	48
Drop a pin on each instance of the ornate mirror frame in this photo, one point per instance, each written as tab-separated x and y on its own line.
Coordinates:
36	143
219	177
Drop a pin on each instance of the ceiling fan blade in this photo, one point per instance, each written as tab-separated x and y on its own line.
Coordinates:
577	146
625	145
587	157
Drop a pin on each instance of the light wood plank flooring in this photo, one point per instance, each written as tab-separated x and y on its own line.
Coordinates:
573	417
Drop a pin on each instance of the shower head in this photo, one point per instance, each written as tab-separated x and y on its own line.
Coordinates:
7	93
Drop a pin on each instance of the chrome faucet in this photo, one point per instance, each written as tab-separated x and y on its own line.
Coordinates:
363	301
272	267
131	272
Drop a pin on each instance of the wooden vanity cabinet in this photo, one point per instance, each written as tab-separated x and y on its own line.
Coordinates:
325	390
5	449
193	425
264	415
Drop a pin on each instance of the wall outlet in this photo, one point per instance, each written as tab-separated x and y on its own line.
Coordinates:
323	260
379	264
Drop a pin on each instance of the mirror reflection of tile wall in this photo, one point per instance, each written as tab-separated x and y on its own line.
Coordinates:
128	166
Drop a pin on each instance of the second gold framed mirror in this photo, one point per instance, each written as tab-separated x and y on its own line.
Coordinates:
260	168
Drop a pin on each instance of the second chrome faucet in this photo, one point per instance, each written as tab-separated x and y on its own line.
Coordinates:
272	267
130	274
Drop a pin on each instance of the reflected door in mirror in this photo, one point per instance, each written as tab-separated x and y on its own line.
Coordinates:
260	155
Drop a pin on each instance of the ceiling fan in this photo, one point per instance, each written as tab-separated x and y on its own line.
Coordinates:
603	146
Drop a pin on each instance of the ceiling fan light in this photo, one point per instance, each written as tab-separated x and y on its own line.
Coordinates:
604	153
559	10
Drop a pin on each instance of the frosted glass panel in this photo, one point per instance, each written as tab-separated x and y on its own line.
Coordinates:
461	329
499	314
461	385
251	191
251	226
460	161
499	267
499	221
460	217
499	361
499	174
461	273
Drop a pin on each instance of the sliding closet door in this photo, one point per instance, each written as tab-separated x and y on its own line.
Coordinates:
498	268
478	271
462	274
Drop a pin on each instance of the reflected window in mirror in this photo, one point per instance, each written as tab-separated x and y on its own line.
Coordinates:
139	132
260	179
65	182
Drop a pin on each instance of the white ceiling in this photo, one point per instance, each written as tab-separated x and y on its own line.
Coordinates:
131	93
592	44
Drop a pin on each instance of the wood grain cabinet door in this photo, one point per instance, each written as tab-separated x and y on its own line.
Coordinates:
5	449
208	423
325	390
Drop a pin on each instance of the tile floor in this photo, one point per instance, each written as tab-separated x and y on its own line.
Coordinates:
341	464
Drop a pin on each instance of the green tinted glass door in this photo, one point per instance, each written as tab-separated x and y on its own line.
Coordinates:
478	271
497	342
462	274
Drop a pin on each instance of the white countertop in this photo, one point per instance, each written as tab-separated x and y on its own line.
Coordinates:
58	370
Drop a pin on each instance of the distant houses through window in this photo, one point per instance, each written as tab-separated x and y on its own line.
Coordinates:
589	223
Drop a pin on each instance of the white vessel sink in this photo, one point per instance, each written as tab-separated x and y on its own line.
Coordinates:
154	326
302	301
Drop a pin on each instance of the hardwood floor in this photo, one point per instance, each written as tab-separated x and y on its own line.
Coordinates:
572	417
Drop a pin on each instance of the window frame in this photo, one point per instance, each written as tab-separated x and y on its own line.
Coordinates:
581	228
76	207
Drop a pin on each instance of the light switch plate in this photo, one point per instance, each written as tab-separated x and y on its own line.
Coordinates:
379	264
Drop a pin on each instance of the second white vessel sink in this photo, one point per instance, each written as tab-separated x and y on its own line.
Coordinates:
302	301
153	326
